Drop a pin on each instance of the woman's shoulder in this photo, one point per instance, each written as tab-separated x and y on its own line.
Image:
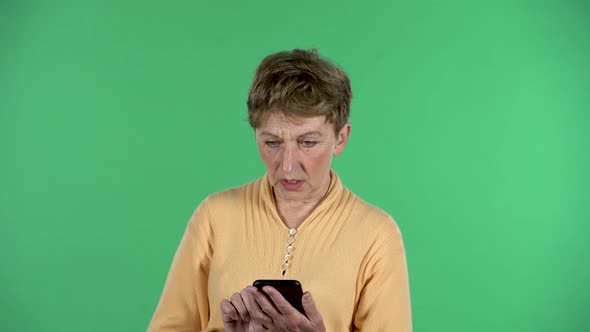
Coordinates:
232	196
225	204
370	215
376	227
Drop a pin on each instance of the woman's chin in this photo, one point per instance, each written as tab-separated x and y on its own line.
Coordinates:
289	195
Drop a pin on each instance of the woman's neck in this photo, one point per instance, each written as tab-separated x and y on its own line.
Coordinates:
294	212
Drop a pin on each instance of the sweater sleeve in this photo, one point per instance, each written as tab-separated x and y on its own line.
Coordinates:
384	301
184	305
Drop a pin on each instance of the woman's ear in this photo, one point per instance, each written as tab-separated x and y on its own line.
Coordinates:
342	139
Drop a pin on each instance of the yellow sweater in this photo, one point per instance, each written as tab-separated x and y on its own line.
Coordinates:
348	254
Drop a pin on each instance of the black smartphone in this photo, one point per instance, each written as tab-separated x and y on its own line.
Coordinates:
290	289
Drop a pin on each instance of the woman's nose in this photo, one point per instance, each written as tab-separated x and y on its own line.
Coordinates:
289	158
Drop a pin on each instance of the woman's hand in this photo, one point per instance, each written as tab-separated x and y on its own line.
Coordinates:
236	317
280	316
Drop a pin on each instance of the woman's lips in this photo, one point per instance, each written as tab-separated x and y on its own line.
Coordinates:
292	185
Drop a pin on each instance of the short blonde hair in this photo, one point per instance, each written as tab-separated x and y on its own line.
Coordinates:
299	83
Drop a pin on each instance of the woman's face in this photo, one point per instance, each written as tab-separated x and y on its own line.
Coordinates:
297	153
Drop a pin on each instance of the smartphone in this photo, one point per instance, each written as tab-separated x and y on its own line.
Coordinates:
290	289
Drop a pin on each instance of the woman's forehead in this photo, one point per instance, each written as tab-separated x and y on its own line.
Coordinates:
278	123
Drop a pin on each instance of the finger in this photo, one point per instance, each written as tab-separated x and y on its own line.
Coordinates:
228	312
266	306
311	310
283	306
251	305
238	303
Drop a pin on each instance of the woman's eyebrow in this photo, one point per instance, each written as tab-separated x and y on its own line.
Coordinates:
309	133
268	133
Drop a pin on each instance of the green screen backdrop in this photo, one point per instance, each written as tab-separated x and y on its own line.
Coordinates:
471	127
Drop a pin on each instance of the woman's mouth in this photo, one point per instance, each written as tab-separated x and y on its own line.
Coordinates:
291	185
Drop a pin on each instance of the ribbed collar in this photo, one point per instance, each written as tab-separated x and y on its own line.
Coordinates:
335	191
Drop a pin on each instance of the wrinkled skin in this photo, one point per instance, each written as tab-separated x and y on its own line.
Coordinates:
251	311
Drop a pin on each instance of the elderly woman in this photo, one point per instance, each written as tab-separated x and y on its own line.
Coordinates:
298	221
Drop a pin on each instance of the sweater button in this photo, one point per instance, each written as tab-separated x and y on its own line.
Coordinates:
285	266
292	231
290	248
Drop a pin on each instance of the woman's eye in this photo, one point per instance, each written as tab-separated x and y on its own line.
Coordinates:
272	144
308	144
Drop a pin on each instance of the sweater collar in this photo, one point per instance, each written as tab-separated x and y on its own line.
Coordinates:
335	190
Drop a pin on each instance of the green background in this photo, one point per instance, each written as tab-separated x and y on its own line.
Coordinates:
470	123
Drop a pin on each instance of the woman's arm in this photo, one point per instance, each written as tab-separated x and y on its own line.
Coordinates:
184	304
384	301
